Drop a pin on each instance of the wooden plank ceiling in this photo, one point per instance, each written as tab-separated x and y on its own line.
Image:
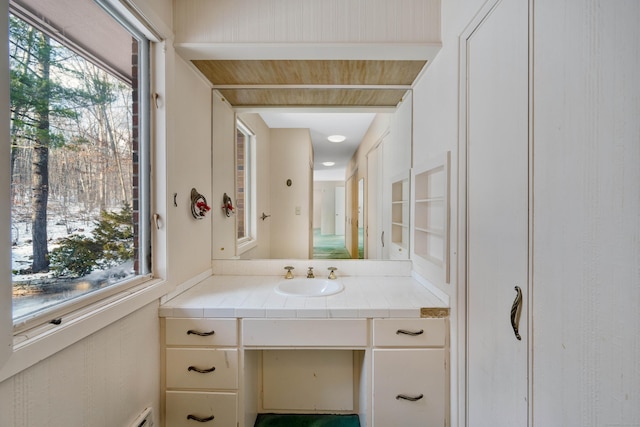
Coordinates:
318	83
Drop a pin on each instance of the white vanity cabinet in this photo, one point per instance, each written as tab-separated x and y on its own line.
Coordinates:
398	378
378	349
409	372
201	372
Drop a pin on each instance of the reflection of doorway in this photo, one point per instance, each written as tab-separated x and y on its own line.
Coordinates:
328	219
373	211
355	216
360	222
339	211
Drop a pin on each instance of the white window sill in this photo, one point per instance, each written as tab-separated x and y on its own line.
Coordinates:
246	246
50	339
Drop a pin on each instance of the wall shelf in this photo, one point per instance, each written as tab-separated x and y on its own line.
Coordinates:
430	230
400	217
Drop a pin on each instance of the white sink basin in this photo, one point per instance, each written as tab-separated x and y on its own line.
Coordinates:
302	287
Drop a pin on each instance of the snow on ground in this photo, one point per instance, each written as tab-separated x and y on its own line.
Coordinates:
36	291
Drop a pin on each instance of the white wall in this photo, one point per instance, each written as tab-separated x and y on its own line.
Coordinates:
105	380
325	21
291	158
435	111
324	205
190	164
435	130
586	280
223	175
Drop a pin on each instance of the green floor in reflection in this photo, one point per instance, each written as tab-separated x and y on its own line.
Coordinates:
307	420
328	246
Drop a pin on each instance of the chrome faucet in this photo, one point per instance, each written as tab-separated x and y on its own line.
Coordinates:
332	274
289	274
310	273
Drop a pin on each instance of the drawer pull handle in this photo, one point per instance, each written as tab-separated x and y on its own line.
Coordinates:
202	371
413	334
200	334
409	398
200	420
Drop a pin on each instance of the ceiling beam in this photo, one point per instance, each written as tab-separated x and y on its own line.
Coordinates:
309	51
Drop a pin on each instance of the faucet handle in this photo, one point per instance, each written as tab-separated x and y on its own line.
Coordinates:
310	273
289	274
332	274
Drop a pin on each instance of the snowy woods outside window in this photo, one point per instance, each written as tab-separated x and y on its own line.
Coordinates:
73	172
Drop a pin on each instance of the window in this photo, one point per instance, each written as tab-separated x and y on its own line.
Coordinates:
245	184
79	165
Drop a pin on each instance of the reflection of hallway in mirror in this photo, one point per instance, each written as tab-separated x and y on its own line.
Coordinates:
328	246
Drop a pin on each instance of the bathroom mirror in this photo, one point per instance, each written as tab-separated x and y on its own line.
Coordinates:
328	204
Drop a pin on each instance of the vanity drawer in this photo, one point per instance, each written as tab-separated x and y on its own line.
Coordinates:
409	332
198	331
220	368
305	332
202	405
409	387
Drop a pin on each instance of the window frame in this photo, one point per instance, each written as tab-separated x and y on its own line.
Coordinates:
250	240
143	77
22	345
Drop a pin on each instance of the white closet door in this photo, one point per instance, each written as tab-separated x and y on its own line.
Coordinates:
374	203
497	215
339	201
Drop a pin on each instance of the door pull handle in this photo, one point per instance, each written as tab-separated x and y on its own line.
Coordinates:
201	370
409	398
516	309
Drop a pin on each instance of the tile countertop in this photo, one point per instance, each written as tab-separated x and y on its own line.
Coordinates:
244	296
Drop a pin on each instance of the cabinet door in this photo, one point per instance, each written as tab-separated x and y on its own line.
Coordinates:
497	215
409	388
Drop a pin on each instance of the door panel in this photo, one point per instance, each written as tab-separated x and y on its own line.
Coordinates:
374	203
497	215
339	211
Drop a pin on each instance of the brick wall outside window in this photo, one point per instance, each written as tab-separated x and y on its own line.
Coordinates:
240	183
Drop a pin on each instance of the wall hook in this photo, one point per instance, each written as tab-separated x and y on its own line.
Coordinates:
263	217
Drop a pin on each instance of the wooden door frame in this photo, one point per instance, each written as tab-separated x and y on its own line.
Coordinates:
461	365
380	200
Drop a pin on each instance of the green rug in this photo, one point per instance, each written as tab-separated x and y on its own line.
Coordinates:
307	420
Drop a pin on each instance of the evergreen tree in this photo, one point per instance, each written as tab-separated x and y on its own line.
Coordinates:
36	98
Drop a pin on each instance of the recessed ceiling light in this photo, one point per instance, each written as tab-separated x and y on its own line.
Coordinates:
337	138
328	163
